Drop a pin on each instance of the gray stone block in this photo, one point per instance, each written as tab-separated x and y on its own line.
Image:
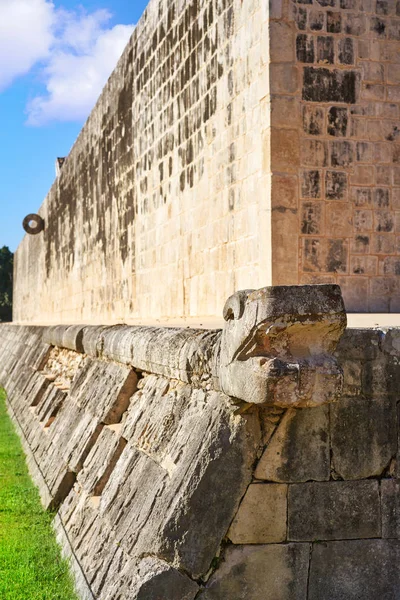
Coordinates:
363	436
273	572
334	510
299	449
390	495
352	570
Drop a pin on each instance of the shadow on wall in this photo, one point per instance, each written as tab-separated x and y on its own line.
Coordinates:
6	283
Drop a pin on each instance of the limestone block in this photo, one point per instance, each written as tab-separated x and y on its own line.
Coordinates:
363	436
334	510
261	518
108	402
277	344
254	572
355	569
299	449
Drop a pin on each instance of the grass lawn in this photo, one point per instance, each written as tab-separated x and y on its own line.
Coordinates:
31	567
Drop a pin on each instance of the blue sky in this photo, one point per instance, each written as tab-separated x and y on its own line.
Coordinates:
46	50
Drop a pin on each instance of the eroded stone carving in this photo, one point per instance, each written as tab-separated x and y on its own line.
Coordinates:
278	342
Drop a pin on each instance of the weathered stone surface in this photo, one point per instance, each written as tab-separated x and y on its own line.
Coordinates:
262	515
150	579
299	449
267	572
277	344
167	480
365	569
334	510
363	436
390	495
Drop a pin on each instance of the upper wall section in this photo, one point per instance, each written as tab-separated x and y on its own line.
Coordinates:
161	208
335	85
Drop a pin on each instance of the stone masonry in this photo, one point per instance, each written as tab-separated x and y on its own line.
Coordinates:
238	143
167	488
335	147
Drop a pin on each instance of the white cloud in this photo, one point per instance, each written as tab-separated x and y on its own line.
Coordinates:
26	35
74	52
83	57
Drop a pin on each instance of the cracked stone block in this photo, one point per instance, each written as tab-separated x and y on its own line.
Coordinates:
262	515
299	449
334	510
261	572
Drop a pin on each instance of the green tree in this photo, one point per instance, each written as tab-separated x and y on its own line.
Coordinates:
6	282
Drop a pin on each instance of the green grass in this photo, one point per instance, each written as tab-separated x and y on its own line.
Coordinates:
31	567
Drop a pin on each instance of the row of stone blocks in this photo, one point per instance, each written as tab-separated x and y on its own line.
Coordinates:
167	488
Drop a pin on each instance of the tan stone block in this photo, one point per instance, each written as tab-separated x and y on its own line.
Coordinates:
339	219
383	243
284	150
393	93
396	198
284	192
299	449
284	78
372	71
363	220
261	518
393	74
355	293
285	247
364	265
362	175
313	153
284	111
282	44
372	91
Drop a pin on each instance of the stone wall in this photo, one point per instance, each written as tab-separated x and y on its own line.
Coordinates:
167	487
162	206
236	145
335	85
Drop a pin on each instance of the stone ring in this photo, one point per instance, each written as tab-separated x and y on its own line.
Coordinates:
33	224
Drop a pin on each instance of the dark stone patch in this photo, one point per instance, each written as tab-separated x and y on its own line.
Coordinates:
313	120
355	569
325	85
327	2
336	260
381	198
325	50
317	20
348	4
311	218
378	26
337	121
341	154
346	51
335	185
363	196
301	18
311	184
361	244
340	510
305	48
382	7
385	221
398	8
313	258
334	22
